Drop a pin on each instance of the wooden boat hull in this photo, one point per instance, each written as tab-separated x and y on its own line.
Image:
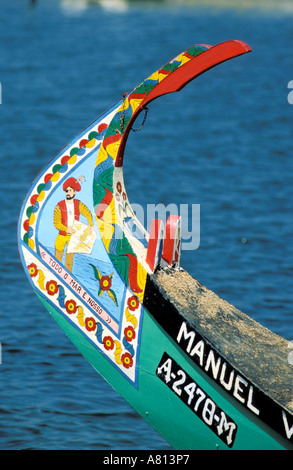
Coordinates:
93	267
163	408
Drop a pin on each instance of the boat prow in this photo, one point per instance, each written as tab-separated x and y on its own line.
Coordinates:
200	372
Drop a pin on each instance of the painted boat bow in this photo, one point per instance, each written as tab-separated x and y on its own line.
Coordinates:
93	266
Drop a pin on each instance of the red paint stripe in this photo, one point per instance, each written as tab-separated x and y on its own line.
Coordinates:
132	274
105	202
111	139
183	75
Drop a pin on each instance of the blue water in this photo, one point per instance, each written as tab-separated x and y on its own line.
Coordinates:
223	142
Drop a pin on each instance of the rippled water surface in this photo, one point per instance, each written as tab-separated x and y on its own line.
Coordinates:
223	142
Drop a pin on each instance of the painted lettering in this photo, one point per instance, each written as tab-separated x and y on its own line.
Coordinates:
220	371
187	335
226	384
215	365
224	425
55	266
288	430
238	390
199	351
93	304
249	401
199	402
166	369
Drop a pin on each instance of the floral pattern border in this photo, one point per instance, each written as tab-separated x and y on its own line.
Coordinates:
122	351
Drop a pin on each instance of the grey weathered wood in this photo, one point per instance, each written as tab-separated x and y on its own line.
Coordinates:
261	355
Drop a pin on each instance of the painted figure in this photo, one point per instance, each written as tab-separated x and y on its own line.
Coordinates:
65	214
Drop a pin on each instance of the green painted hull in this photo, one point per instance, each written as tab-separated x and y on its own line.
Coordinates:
162	409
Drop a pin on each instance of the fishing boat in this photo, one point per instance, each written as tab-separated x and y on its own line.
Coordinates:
199	371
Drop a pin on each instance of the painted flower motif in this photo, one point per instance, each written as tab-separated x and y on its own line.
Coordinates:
127	360
33	270
108	343
70	306
129	333
124	196
133	303
52	287
119	187
105	282
90	323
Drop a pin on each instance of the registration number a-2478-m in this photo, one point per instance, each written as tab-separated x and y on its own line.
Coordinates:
196	399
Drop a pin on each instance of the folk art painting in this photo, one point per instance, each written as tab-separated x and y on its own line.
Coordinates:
76	232
91	262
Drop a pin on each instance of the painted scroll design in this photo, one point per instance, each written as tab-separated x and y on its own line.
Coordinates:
109	192
113	212
122	255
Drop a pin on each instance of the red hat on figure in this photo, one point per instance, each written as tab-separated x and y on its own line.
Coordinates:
72	183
